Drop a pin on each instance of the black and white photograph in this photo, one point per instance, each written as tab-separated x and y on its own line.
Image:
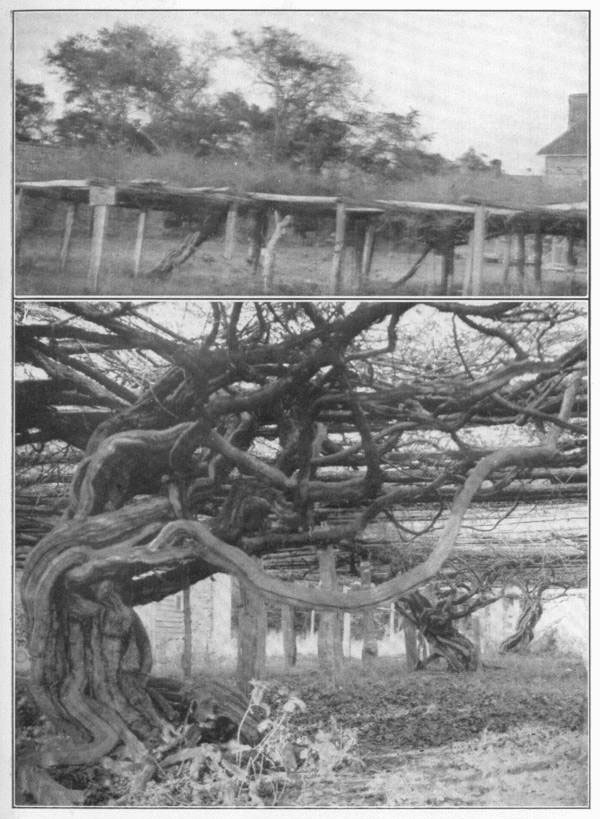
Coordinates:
301	554
298	457
301	153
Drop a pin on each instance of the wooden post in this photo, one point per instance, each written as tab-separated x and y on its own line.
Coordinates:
476	637
330	650
312	622
139	243
468	275
410	643
477	260
571	263
18	221
338	248
538	249
66	242
369	649
556	254
256	238
367	256
186	658
230	230
347	632
520	259
289	636
392	622
100	200
506	260
447	269
359	228
252	637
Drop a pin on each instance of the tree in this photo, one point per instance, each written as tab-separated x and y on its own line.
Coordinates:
473	161
269	421
32	111
306	84
128	76
391	143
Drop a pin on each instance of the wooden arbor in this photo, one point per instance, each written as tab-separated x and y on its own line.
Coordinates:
441	227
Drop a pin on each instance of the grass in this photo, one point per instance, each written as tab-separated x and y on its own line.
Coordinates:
263	175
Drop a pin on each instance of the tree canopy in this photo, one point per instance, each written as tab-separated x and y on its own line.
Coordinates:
32	111
129	78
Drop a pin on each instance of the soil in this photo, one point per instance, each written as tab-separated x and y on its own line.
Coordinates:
531	766
513	734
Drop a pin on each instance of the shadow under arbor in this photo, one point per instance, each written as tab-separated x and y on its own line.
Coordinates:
248	441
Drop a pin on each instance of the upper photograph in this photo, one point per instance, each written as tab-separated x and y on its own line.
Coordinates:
300	153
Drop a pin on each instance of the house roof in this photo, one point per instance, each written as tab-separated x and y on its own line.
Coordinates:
572	143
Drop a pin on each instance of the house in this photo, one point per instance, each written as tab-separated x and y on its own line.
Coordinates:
567	155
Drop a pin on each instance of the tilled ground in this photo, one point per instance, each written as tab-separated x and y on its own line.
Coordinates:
531	766
512	735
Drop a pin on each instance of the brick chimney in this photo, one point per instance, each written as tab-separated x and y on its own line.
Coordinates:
577	108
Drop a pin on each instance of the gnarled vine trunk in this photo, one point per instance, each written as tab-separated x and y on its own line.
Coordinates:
172	489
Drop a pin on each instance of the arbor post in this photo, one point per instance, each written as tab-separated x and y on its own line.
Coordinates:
139	243
338	247
369	648
506	260
100	200
367	256
347	632
468	274
410	643
230	232
447	269
476	638
538	248
477	259
289	636
256	238
186	659
520	259
571	262
329	641
18	217
66	242
252	637
556	254
358	245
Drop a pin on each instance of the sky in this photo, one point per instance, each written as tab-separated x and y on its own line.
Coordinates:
497	81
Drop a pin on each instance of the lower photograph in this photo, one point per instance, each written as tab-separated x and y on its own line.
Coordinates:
300	554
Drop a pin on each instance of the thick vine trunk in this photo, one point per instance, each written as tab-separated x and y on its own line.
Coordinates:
90	656
211	224
531	611
443	638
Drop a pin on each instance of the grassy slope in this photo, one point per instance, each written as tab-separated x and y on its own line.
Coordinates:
178	168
